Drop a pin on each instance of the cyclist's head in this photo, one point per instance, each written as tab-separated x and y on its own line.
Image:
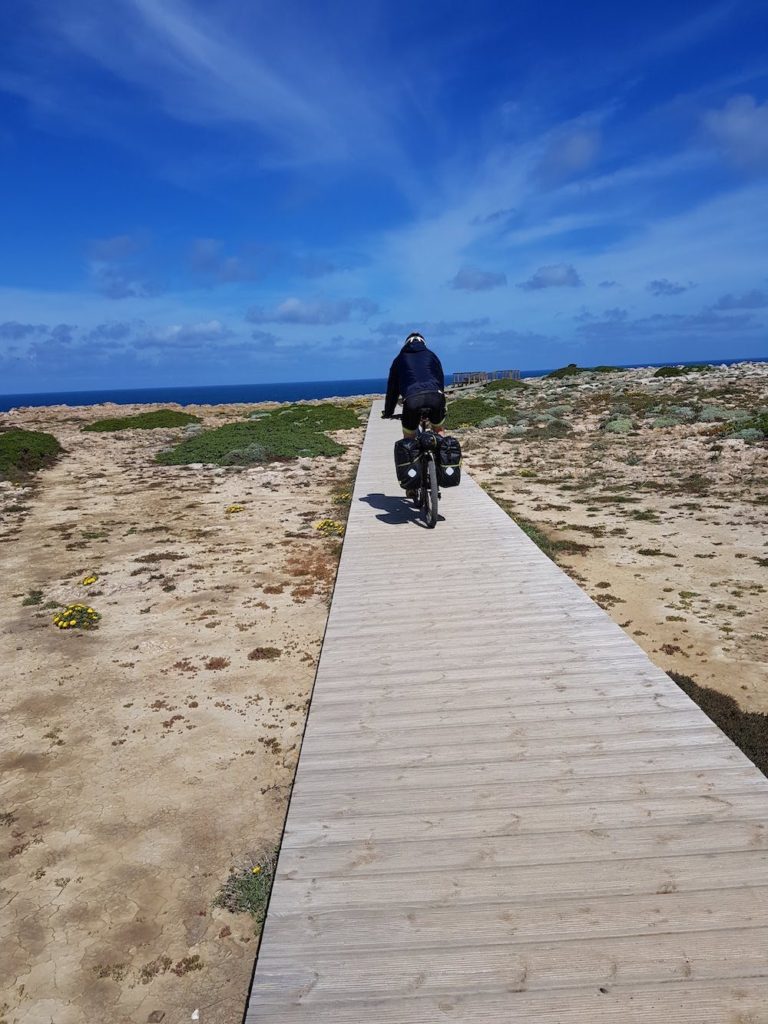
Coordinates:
414	339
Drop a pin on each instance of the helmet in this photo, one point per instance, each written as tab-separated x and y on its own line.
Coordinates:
414	336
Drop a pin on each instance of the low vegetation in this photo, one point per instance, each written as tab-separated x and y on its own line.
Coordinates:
286	433
747	729
476	412
247	889
504	384
26	451
681	371
572	370
144	421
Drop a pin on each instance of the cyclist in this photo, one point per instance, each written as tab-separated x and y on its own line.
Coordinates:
417	375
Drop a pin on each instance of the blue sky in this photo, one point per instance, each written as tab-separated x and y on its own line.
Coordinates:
232	193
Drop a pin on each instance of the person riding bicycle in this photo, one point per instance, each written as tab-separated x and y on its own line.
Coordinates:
417	375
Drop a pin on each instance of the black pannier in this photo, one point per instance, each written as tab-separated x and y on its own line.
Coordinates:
448	462
408	462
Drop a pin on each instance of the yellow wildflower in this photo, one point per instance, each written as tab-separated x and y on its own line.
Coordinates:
235	508
88	580
329	527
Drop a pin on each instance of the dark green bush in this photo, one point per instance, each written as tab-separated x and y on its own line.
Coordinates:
505	384
145	421
25	451
571	370
470	412
681	371
286	433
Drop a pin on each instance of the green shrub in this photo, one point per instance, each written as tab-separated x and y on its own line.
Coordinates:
505	384
253	453
247	889
681	371
548	429
571	370
665	421
26	451
471	412
286	433
145	421
620	425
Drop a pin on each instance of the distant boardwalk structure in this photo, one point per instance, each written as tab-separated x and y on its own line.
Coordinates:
483	376
504	812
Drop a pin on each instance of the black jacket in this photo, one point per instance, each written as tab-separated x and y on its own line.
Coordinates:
414	370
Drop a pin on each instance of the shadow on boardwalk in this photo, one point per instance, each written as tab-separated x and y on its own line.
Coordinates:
396	511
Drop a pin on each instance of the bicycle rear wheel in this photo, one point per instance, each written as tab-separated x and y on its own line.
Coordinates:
430	493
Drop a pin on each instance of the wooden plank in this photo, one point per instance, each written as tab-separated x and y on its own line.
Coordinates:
453	844
503	811
420	926
696	793
740	1001
592	766
502	885
618	960
321	755
510	818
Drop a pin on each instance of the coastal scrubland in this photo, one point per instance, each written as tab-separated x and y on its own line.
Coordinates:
166	585
162	618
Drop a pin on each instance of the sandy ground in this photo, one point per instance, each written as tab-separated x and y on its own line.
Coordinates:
673	520
143	760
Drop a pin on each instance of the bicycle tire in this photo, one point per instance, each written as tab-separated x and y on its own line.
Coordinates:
431	494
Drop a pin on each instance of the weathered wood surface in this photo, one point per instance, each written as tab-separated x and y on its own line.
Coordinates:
503	810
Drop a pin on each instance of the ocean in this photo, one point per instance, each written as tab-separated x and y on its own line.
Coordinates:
222	394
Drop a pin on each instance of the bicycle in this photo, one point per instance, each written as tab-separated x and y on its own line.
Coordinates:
428	492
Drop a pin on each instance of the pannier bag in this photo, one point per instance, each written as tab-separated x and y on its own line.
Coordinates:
448	462
428	440
408	462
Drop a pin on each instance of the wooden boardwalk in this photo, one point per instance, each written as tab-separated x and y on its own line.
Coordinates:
503	810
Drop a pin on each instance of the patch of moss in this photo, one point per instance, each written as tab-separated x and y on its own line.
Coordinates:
144	421
286	433
26	451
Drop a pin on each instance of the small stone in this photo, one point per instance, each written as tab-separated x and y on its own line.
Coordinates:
155	1017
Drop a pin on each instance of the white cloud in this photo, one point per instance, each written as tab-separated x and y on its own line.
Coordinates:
555	275
568	155
663	286
115	282
472	279
740	131
317	311
754	299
